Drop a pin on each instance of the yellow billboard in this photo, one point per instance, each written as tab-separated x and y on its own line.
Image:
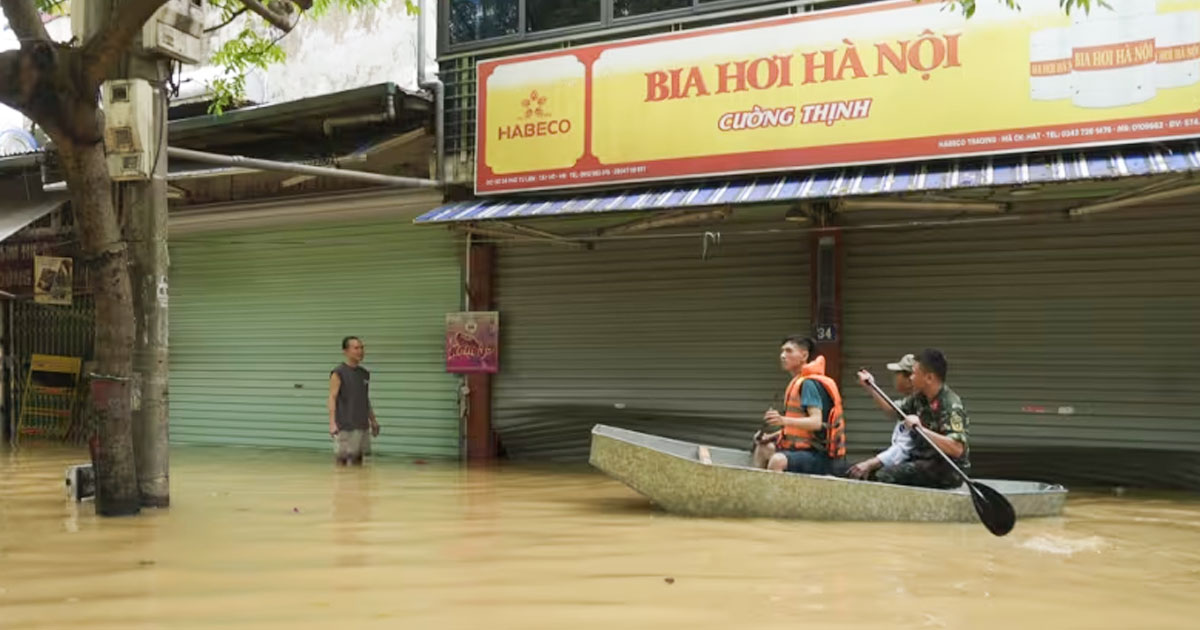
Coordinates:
883	82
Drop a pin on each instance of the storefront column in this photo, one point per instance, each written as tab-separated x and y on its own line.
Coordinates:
481	443
826	284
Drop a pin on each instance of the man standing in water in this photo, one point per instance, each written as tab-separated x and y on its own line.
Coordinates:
350	412
902	438
810	436
938	414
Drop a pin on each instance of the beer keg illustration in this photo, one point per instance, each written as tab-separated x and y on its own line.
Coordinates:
1178	49
1113	54
1050	64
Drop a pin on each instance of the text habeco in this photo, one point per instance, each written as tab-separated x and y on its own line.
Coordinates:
923	55
535	129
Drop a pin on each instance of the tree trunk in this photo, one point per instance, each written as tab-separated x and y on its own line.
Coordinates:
106	251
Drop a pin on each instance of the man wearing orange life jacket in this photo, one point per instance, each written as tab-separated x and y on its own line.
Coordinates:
810	436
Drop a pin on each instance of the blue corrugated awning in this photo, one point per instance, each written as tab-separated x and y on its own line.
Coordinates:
1010	170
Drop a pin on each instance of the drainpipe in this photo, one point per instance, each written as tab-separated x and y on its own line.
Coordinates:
436	86
389	116
289	167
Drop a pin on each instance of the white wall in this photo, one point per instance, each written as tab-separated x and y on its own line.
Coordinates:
343	50
339	51
336	52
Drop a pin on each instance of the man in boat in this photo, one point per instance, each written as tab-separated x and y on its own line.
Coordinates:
902	438
937	413
810	436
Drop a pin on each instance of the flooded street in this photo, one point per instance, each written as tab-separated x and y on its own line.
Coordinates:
262	539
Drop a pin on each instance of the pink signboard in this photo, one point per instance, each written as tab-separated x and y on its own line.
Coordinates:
473	342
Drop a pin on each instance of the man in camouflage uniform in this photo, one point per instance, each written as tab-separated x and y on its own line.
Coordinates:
936	412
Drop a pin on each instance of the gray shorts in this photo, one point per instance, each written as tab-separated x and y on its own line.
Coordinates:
352	444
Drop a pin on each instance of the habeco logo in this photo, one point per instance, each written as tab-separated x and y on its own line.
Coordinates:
537	121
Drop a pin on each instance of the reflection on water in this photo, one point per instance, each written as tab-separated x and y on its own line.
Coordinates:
261	539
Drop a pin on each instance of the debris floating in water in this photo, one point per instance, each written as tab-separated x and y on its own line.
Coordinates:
669	580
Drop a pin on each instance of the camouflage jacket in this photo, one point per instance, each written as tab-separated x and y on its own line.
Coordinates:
944	414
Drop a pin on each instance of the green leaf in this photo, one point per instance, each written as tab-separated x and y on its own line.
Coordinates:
54	7
968	7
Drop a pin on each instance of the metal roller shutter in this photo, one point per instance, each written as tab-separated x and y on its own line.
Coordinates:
257	316
646	335
1071	342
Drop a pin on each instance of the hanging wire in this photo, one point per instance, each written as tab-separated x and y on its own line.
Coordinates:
919	223
714	237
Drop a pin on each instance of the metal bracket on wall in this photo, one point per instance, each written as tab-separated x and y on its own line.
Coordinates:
515	232
709	237
667	219
822	213
1158	191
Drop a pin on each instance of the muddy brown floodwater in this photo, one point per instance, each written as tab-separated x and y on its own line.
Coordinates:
265	539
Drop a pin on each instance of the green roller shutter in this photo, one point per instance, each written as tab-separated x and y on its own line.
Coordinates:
257	316
647	335
1072	343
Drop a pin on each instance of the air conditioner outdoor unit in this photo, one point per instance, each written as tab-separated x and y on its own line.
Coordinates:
177	31
129	141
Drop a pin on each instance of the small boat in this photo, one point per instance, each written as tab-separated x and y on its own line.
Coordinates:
696	480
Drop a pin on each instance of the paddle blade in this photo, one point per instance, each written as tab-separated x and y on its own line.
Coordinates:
993	508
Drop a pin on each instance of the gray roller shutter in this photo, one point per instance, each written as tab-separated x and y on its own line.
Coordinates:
1072	343
644	334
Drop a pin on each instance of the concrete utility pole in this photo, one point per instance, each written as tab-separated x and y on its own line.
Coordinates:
144	208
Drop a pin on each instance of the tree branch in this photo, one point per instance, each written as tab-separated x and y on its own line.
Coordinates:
24	19
236	14
10	89
104	48
26	87
278	20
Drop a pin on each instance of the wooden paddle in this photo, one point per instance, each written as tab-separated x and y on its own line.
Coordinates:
993	508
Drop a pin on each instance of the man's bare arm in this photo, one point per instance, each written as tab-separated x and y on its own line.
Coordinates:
335	386
949	445
883	403
810	422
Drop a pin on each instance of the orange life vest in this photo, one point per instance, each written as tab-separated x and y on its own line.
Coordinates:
831	436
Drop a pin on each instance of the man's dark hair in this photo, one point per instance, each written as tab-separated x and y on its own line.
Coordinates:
932	360
347	340
802	342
